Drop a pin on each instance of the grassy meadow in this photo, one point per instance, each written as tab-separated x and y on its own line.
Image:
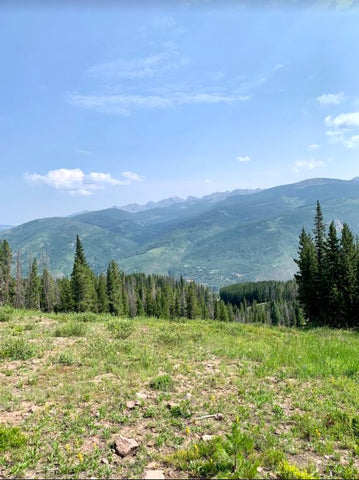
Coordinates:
203	399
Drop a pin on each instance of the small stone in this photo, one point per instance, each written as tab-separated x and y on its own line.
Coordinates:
131	405
124	446
154	475
219	416
104	461
171	405
141	395
206	438
188	396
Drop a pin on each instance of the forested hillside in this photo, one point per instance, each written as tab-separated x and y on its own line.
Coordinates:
215	241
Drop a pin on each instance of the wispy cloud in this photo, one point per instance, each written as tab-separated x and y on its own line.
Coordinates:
244	158
310	164
331	98
344	129
123	104
132	176
149	66
313	146
343	120
76	182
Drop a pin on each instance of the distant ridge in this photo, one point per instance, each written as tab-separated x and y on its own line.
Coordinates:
216	240
5	227
167	202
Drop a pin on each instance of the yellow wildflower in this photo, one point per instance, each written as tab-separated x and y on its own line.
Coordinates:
318	432
187	430
80	457
68	448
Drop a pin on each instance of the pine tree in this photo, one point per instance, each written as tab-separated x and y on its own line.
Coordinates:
191	301
33	288
102	297
82	282
331	285
19	298
114	289
5	272
65	294
347	278
320	247
47	295
307	276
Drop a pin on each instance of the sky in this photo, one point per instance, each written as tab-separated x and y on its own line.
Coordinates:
112	103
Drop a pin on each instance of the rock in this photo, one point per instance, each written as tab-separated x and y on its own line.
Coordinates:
206	438
154	475
124	446
104	461
141	396
131	405
188	396
171	405
219	416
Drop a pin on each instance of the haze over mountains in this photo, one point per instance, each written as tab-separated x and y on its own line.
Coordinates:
219	239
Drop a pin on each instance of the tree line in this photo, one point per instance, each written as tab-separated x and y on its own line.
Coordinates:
271	302
113	292
328	277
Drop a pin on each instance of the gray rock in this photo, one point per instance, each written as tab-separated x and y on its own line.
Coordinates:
124	446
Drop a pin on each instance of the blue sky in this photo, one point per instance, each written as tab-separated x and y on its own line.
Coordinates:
113	104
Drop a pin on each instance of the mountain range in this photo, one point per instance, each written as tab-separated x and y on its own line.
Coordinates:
217	240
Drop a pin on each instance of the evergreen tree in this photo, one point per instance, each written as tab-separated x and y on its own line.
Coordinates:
5	272
47	295
320	248
307	276
19	298
102	297
347	278
82	282
33	288
114	289
191	301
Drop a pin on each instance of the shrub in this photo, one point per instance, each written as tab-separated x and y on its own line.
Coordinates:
71	329
16	349
121	329
288	471
11	437
163	382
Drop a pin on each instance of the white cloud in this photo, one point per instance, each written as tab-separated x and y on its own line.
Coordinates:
307	164
343	120
313	146
207	180
244	158
121	104
344	129
76	182
352	142
132	176
331	98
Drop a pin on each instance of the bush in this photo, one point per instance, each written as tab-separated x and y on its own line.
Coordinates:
71	329
16	349
121	329
11	437
288	472
6	314
163	382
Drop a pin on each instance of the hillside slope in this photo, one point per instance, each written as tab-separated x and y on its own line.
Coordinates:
215	240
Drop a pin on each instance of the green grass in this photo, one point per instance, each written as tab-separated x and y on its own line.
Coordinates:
287	399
